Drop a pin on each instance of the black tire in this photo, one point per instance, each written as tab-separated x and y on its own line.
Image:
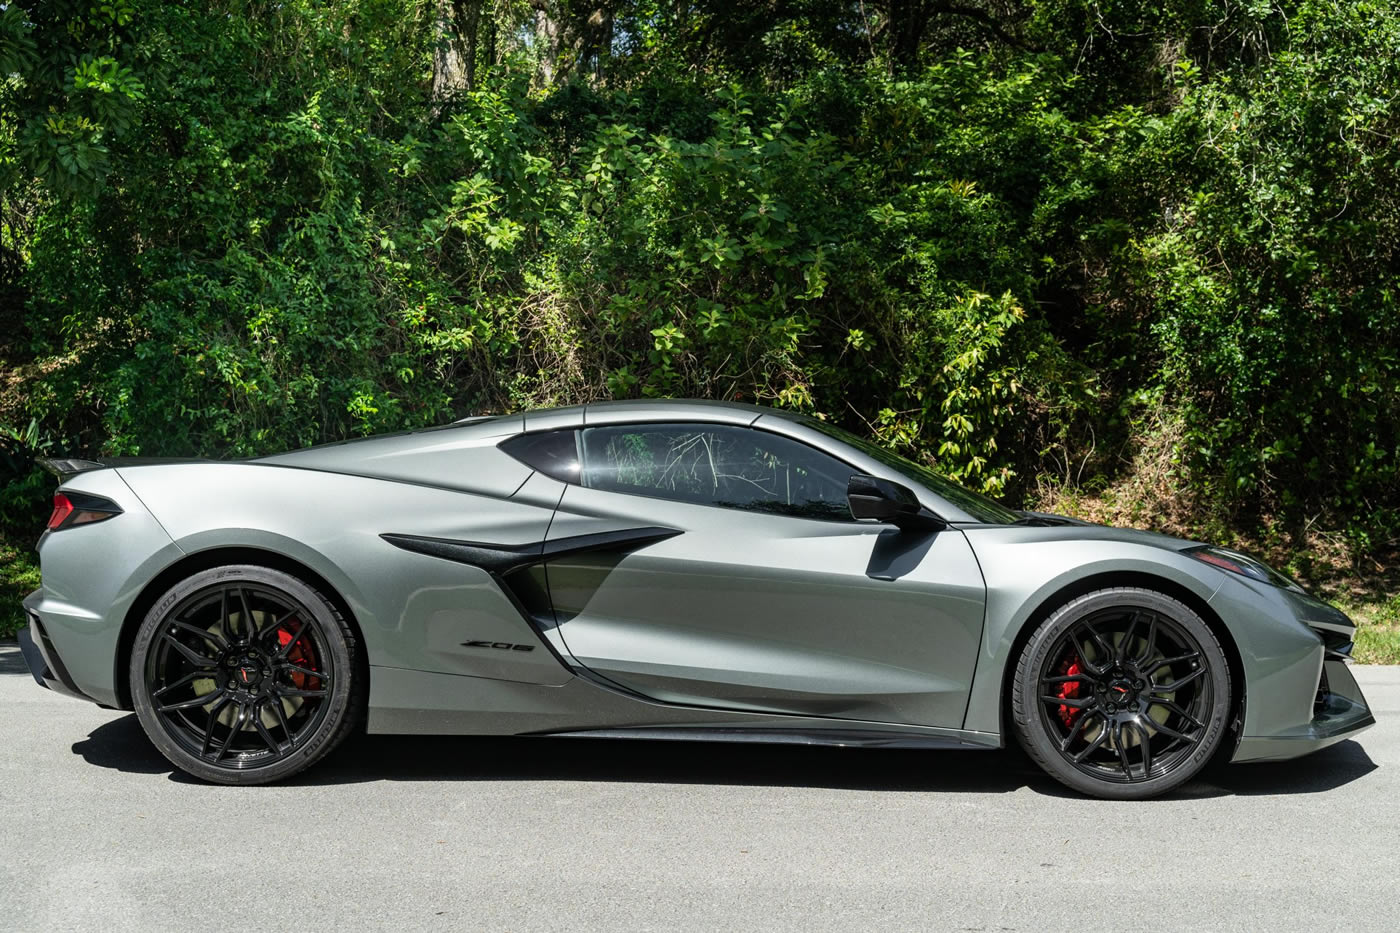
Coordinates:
245	675
1088	699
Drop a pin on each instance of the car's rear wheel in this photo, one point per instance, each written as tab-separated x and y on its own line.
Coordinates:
1122	693
244	675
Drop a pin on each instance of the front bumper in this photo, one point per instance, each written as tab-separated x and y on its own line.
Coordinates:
1298	693
1339	712
43	660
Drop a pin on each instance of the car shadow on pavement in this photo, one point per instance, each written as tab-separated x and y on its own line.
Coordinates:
121	745
1321	771
12	662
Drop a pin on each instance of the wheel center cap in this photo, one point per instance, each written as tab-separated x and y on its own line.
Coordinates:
1121	692
248	673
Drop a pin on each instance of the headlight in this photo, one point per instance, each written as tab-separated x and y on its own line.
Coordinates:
1242	564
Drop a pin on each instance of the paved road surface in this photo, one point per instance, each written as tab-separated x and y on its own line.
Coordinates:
489	834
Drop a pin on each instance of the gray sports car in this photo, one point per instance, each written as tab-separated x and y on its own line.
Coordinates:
678	570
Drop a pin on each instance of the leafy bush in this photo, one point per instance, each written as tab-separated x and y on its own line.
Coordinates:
227	229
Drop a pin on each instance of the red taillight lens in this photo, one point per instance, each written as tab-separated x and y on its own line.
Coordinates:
80	508
62	508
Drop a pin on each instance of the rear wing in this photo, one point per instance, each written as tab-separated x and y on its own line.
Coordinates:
69	468
66	469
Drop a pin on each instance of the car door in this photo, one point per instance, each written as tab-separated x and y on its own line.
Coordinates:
769	597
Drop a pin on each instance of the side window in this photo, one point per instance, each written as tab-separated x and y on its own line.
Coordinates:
553	453
723	465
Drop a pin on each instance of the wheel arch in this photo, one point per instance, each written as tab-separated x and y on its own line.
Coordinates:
1140	580
197	561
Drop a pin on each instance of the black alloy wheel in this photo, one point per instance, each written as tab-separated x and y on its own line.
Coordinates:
244	675
1122	693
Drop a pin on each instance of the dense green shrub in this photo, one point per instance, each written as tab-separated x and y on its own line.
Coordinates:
236	227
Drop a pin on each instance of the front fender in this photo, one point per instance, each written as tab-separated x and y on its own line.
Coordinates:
1029	572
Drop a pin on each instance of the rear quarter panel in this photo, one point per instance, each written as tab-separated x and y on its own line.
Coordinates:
91	575
414	611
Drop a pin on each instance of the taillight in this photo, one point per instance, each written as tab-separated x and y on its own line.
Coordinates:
62	508
79	508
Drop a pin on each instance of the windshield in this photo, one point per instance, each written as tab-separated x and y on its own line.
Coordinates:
985	510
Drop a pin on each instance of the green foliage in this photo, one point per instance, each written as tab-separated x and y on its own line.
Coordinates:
25	492
1273	286
994	241
19	576
1377	616
24	486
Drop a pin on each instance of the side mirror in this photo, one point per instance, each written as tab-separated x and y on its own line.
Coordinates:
882	500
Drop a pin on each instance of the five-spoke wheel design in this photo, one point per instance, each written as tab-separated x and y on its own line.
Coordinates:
1122	693
240	674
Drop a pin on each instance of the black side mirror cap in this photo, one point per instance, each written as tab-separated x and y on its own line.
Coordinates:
883	500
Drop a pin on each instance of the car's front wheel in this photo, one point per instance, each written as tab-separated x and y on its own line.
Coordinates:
244	675
1123	693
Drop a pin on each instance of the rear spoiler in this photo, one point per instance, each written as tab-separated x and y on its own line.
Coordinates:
66	469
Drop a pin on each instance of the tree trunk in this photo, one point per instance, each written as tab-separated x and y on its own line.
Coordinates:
455	27
571	39
905	33
604	41
547	33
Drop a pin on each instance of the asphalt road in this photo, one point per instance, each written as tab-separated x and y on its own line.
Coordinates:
572	834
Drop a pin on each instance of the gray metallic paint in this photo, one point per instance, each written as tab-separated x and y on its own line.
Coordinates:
770	613
89	581
744	621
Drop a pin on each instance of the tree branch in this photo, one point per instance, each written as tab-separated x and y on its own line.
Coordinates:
984	19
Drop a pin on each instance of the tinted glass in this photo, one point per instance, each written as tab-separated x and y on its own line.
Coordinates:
553	453
708	464
985	510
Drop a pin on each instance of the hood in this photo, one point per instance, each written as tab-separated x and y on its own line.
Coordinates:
1063	528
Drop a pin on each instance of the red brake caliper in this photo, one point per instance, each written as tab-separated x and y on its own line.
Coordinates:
1069	690
299	655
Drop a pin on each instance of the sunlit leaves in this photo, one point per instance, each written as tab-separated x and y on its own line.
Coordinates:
246	227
